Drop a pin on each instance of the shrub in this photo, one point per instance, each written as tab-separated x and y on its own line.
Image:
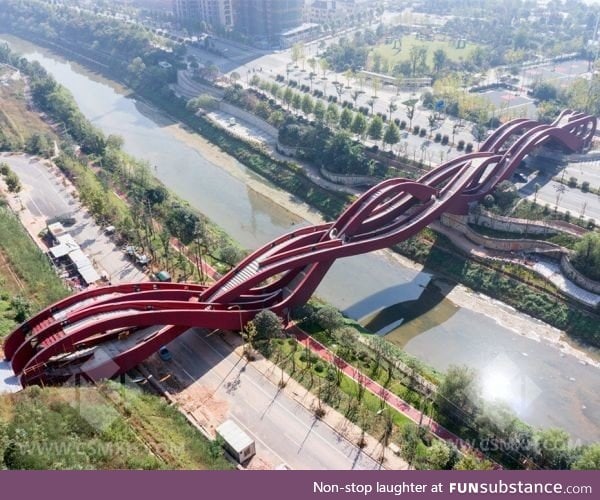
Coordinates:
445	139
585	186
591	224
469	147
422	132
416	129
461	145
438	137
572	182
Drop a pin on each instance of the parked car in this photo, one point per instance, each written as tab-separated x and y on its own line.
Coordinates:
164	354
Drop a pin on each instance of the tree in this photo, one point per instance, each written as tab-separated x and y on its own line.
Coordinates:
359	124
410	110
203	101
307	105
136	70
346	119
230	254
156	195
234	77
409	442
458	395
38	144
324	65
249	334
268	325
391	107
587	255
470	462
552	449
297	101
332	115
589	459
375	130
319	110
438	456
439	60
392	134
544	91
418	59
12	182
288	96
22	308
375	85
371	102
297	52
329	318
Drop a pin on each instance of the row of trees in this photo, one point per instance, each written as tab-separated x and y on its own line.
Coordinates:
459	401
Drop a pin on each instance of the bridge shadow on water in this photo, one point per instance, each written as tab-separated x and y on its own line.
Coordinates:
403	320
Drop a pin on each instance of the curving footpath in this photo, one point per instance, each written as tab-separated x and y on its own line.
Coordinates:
100	333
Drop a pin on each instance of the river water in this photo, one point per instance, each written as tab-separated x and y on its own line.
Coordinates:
543	384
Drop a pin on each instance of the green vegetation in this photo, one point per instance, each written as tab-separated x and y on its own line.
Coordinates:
19	125
108	427
587	256
534	211
399	50
563	239
369	412
511	283
27	281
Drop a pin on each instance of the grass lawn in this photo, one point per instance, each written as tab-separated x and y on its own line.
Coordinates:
104	427
395	56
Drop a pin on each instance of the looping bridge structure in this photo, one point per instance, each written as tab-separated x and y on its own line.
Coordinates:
104	331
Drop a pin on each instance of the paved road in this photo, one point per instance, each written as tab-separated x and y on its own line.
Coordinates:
45	196
284	430
8	381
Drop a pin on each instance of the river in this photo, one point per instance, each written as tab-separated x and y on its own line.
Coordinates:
544	383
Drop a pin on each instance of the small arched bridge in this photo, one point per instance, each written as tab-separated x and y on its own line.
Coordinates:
108	330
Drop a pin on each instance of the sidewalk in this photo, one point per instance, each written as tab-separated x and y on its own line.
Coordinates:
387	396
346	429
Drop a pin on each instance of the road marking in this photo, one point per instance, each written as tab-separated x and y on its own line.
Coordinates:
265	445
295	417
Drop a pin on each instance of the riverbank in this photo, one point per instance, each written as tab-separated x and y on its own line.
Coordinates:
295	206
362	283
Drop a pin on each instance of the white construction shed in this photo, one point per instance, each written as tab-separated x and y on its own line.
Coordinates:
236	441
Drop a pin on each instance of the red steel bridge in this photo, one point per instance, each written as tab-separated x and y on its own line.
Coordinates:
104	331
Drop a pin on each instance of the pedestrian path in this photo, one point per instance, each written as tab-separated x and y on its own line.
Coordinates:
389	397
553	273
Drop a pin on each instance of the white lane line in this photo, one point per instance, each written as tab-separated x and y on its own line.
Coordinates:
265	445
313	431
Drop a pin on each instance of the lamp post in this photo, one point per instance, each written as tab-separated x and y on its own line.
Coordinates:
237	306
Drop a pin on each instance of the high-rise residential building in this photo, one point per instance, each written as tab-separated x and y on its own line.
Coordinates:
216	13
267	19
186	10
341	12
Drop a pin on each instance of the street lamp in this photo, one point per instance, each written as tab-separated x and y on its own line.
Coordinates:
237	306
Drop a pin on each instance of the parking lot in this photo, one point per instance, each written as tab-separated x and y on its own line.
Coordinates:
47	194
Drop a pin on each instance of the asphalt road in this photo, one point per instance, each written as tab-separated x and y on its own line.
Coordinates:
572	199
45	196
285	431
